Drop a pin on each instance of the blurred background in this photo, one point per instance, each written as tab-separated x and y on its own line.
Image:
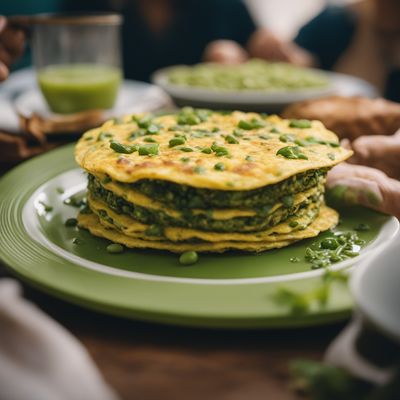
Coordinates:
283	17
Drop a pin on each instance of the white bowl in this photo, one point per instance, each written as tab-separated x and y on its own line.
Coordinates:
375	286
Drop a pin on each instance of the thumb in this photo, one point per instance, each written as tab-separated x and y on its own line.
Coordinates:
355	191
379	194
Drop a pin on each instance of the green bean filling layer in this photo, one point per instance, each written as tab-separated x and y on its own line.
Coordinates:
309	209
183	196
203	221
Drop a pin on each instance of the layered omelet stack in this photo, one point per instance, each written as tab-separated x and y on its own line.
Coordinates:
208	181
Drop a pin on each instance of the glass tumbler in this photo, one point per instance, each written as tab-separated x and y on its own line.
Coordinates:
78	60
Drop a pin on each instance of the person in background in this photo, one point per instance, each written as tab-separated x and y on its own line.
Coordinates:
160	33
361	39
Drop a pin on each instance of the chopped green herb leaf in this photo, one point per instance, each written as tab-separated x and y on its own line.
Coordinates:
300	123
230	139
143	122
153	129
238	133
149	140
329	243
292	152
177	141
313	140
246	125
252	124
187	116
148	149
122	148
219	150
182	128
222	152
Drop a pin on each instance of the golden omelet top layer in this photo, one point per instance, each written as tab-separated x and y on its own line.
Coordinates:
199	148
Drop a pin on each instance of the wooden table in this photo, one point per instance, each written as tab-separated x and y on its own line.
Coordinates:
151	362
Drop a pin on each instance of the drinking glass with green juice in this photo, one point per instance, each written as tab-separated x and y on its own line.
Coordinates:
78	61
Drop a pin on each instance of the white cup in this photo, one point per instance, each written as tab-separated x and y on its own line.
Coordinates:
369	347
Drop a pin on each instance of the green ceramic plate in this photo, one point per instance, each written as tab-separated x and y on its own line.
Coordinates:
229	290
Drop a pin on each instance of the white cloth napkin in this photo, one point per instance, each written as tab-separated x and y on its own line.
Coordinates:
39	359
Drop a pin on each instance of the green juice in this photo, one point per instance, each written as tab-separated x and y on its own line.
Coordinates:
71	88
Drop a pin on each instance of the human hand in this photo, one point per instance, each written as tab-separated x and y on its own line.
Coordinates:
224	52
378	151
356	184
264	44
12	42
